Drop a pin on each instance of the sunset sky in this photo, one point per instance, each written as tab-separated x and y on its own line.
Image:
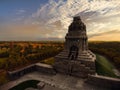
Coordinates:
49	19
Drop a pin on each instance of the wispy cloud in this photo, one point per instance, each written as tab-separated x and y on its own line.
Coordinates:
99	15
113	35
104	33
52	19
20	11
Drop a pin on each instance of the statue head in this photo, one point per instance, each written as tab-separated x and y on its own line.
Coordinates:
77	18
77	24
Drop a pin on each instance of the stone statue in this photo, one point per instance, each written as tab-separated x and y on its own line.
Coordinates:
77	24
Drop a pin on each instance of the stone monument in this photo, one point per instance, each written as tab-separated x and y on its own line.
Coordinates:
76	59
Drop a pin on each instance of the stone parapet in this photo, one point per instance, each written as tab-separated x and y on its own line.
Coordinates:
44	68
103	81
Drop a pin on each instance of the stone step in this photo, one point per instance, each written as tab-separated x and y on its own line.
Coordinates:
84	57
82	68
62	55
82	65
87	68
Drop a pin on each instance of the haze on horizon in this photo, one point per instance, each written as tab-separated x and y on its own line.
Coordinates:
49	19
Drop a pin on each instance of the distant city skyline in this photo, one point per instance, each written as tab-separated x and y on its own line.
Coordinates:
34	20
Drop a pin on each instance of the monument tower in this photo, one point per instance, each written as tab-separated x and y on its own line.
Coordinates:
76	59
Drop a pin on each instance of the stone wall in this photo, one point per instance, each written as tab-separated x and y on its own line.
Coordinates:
20	72
44	68
103	81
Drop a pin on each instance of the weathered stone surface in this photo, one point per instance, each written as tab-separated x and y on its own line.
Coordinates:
31	88
55	82
44	68
76	59
40	85
102	81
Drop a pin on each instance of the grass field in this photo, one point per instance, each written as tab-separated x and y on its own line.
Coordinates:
3	50
104	67
49	61
3	77
3	62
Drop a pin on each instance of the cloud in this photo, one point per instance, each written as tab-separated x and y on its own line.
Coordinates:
104	33
99	15
107	36
26	32
20	11
20	18
19	32
52	19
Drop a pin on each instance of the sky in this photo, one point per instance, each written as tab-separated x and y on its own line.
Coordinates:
29	20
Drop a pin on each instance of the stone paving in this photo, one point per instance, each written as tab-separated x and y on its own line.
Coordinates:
55	82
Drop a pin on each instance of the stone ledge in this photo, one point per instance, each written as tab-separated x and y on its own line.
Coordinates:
44	68
103	81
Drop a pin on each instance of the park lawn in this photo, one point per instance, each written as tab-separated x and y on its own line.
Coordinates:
104	67
3	77
3	50
26	84
49	61
3	74
2	60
